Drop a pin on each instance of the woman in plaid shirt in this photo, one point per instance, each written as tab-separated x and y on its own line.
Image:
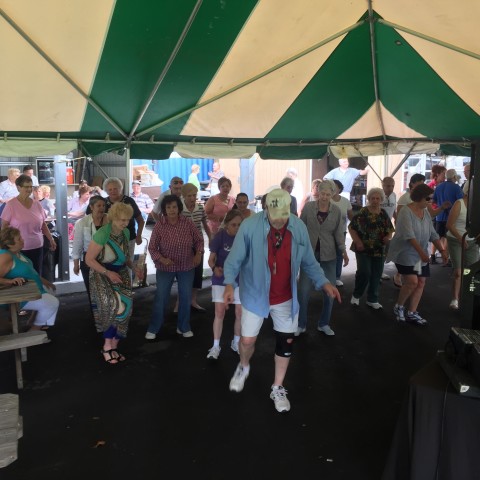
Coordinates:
176	248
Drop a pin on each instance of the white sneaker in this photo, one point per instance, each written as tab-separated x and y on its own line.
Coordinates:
234	346
150	336
454	304
214	352
338	283
326	330
385	276
185	334
374	305
238	380
279	397
399	313
355	301
299	331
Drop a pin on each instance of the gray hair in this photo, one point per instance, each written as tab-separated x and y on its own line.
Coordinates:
285	181
327	186
376	191
110	180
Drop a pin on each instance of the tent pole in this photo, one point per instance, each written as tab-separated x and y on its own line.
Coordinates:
372	20
429	39
404	159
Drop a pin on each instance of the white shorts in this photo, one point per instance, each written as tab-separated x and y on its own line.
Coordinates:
282	320
217	294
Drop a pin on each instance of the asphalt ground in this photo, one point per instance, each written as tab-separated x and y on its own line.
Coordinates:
167	411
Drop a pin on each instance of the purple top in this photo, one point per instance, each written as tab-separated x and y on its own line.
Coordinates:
221	244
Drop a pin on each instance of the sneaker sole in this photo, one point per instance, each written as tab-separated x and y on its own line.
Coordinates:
417	322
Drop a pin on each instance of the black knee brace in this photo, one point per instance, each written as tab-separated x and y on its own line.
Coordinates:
284	347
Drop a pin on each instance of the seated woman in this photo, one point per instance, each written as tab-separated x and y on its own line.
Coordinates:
78	205
110	282
16	268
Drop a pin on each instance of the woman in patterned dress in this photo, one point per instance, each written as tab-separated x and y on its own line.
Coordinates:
371	230
110	280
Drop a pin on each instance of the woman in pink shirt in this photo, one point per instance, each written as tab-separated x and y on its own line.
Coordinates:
217	206
28	216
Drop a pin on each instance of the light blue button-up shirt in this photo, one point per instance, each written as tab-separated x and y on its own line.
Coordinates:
249	258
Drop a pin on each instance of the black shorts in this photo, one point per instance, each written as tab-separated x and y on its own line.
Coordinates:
441	228
408	270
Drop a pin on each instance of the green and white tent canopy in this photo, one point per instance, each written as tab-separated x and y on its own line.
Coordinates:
227	78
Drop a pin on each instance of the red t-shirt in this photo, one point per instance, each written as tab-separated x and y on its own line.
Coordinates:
279	261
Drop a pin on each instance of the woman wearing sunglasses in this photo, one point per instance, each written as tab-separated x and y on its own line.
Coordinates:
409	251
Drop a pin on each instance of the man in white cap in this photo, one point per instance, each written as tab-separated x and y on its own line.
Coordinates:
268	251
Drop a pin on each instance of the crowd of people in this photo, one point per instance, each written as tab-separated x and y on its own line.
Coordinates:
263	264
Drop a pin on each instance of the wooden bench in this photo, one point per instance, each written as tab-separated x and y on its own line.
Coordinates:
19	342
14	296
11	428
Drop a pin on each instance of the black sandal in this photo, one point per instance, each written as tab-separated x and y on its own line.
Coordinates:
111	359
118	356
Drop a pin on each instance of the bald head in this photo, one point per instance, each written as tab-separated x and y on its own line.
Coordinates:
388	184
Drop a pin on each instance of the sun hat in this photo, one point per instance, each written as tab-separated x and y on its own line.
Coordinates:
278	204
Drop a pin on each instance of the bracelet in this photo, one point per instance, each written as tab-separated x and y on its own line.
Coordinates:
104	272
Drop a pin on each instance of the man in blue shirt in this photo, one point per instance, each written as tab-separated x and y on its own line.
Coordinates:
345	174
268	251
448	191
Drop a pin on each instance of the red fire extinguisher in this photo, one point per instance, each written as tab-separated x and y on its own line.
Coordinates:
69	175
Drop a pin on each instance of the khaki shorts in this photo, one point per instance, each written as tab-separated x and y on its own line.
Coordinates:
218	291
281	315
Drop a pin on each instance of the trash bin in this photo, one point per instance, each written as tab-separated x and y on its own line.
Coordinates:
51	258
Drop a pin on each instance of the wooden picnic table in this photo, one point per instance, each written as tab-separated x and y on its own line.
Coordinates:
14	296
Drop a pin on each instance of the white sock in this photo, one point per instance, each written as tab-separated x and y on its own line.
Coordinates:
236	339
216	343
246	369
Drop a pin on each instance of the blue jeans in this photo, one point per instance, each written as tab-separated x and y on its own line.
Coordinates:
162	298
304	289
369	272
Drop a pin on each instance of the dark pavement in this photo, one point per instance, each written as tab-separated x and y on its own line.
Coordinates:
167	411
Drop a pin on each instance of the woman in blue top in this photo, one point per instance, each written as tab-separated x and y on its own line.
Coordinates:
16	268
220	247
110	279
